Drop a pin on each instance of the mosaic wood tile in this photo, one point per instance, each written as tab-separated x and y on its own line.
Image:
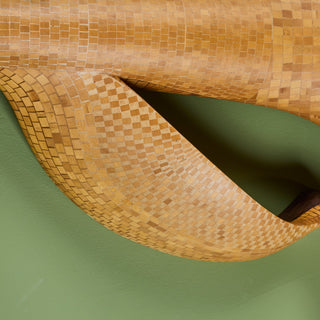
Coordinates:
64	66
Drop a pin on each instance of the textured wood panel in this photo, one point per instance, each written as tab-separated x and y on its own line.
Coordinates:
112	154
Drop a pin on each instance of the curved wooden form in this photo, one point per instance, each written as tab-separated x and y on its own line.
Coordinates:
119	160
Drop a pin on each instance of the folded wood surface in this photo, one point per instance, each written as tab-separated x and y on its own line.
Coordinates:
112	154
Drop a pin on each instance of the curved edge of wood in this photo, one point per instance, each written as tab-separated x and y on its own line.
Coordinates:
305	201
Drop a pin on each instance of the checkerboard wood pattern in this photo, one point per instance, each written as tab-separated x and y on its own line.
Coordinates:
60	68
129	169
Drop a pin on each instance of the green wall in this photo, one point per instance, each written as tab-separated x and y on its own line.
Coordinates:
57	263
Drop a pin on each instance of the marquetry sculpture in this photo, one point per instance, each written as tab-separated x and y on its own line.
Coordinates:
64	69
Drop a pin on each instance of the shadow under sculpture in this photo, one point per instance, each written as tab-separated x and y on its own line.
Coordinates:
64	69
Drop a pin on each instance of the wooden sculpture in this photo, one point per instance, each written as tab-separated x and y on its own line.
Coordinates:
64	69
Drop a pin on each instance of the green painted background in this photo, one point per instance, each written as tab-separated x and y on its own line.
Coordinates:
57	263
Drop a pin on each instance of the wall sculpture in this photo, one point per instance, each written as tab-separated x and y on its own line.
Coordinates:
66	67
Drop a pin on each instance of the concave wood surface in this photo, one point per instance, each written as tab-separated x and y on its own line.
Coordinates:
112	154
